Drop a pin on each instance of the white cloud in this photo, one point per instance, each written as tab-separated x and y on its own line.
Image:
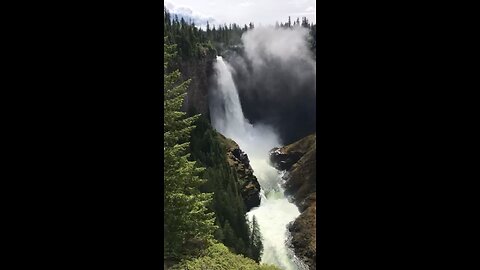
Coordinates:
169	5
246	4
265	12
187	13
184	10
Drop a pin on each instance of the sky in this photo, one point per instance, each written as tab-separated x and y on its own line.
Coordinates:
260	12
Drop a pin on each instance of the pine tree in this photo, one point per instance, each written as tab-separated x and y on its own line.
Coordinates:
208	30
219	235
256	240
185	208
228	234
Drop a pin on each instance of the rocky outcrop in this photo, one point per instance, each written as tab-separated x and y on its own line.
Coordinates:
283	161
303	232
238	160
299	161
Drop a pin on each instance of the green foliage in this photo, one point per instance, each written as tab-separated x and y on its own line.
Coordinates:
218	257
256	240
209	150
185	207
192	42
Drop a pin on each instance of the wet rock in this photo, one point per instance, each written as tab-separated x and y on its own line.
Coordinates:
304	236
241	156
251	194
283	161
301	180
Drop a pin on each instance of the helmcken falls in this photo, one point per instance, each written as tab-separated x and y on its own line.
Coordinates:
275	211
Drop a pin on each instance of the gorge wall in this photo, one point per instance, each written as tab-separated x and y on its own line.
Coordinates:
299	161
199	71
239	162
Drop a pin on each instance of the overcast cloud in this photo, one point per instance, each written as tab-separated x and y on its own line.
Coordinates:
260	12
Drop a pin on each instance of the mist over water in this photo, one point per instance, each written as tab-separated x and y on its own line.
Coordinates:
275	211
275	75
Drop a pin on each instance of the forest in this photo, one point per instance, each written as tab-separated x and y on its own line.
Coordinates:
194	42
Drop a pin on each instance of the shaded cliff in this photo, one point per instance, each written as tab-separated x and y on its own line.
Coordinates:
238	160
299	160
199	71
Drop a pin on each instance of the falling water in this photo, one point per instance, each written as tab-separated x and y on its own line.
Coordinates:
275	211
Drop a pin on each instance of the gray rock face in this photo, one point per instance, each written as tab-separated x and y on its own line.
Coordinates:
299	160
283	161
199	71
241	156
250	189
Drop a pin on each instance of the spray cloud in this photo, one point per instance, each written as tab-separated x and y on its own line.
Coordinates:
275	76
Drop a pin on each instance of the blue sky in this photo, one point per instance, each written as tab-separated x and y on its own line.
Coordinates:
260	12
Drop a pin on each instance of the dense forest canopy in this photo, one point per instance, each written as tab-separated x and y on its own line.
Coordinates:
194	42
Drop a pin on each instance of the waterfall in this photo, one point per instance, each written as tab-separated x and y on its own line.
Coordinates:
275	211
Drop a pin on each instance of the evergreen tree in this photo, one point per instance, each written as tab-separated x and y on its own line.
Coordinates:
185	208
256	241
229	234
208	31
305	22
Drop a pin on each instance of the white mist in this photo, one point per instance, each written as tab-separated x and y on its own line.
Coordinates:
275	211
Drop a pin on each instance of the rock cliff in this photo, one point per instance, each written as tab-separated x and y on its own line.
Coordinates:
299	160
199	71
238	160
